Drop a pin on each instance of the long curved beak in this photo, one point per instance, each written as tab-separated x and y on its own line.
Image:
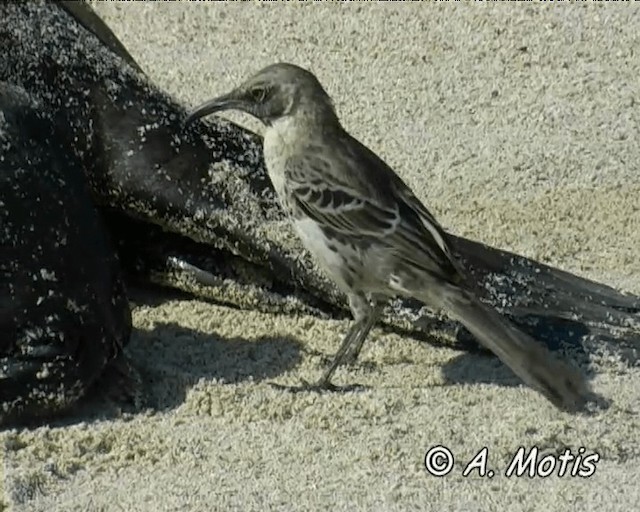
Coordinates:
225	102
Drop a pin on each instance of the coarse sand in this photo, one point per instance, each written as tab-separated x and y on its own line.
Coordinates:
517	125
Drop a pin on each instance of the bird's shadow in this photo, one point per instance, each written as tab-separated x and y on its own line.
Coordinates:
471	368
169	360
567	338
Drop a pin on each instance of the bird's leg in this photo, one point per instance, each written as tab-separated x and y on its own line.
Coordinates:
325	380
356	346
365	316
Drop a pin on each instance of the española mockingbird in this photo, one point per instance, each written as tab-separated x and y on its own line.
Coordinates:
368	230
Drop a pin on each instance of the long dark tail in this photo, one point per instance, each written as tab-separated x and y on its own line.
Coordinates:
563	385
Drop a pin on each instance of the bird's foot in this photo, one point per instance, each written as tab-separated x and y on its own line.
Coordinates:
321	386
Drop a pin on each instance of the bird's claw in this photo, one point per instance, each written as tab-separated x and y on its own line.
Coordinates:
320	386
305	387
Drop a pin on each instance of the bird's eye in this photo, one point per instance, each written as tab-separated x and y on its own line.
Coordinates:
258	94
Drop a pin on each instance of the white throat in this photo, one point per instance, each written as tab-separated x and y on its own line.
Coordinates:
282	140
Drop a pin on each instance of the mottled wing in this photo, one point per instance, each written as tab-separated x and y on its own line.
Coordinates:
352	193
335	204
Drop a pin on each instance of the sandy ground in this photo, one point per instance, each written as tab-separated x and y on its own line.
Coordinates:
518	126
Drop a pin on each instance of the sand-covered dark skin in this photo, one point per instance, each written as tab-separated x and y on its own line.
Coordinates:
99	179
185	207
63	309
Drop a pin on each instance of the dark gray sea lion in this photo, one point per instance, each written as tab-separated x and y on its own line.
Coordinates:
124	180
192	209
63	309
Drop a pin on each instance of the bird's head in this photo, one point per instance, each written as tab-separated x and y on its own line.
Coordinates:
274	92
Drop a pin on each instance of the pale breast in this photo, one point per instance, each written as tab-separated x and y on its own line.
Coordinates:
329	256
341	261
280	143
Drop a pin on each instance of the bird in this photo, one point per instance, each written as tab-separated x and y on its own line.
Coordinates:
369	232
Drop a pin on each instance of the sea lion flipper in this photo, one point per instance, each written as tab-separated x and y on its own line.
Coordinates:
553	305
526	284
86	16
